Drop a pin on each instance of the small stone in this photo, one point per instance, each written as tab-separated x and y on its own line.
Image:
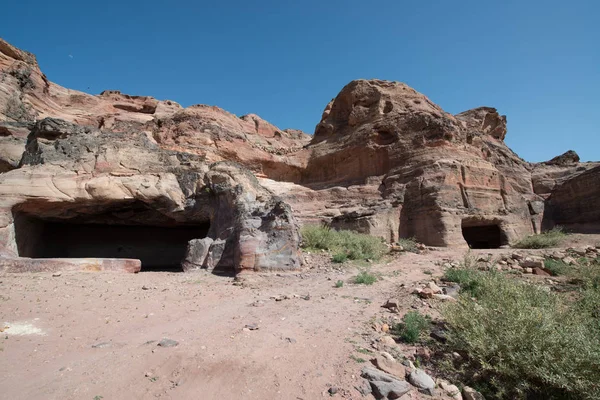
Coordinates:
541	272
385	385
569	260
392	303
168	343
145	287
251	327
532	262
290	340
443	297
387	341
333	390
451	390
387	356
453	290
396	248
516	256
434	288
385	328
390	367
102	345
426	293
57	274
421	380
528	270
471	394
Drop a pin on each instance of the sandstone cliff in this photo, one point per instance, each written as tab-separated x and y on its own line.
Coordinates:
383	160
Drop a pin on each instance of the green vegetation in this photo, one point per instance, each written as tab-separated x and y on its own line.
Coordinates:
556	267
544	240
339	258
345	245
365	278
525	341
408	244
358	359
339	284
412	326
468	278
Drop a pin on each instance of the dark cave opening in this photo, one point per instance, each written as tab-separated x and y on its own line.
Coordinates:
159	248
483	236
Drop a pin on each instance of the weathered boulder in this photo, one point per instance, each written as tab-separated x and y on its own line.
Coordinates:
385	386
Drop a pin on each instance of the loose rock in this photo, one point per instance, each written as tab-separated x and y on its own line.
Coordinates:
471	394
421	380
168	343
390	367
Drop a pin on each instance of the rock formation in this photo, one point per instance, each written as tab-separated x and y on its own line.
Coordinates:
116	176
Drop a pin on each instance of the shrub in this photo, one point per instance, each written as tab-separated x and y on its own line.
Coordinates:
412	326
408	244
525	341
467	277
318	237
547	239
556	267
346	245
365	278
339	258
339	284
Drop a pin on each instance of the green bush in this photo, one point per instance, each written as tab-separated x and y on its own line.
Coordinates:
339	284
346	245
467	278
544	240
408	244
365	278
525	341
412	326
556	267
339	258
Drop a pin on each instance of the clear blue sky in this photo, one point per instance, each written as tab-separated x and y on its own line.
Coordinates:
538	62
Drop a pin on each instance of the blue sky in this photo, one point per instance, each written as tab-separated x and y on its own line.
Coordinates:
538	62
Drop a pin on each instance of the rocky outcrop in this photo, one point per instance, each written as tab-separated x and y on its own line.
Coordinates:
384	160
438	172
550	174
573	204
77	175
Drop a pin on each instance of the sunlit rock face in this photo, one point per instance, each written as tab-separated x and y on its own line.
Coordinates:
215	191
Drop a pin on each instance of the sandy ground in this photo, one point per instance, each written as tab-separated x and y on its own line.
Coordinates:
94	335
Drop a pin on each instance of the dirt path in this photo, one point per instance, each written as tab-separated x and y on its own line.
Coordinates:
94	335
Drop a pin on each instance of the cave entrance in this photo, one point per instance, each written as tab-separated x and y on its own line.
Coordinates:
483	235
159	247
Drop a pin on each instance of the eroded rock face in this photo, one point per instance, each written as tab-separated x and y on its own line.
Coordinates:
437	171
574	204
77	175
384	160
546	176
